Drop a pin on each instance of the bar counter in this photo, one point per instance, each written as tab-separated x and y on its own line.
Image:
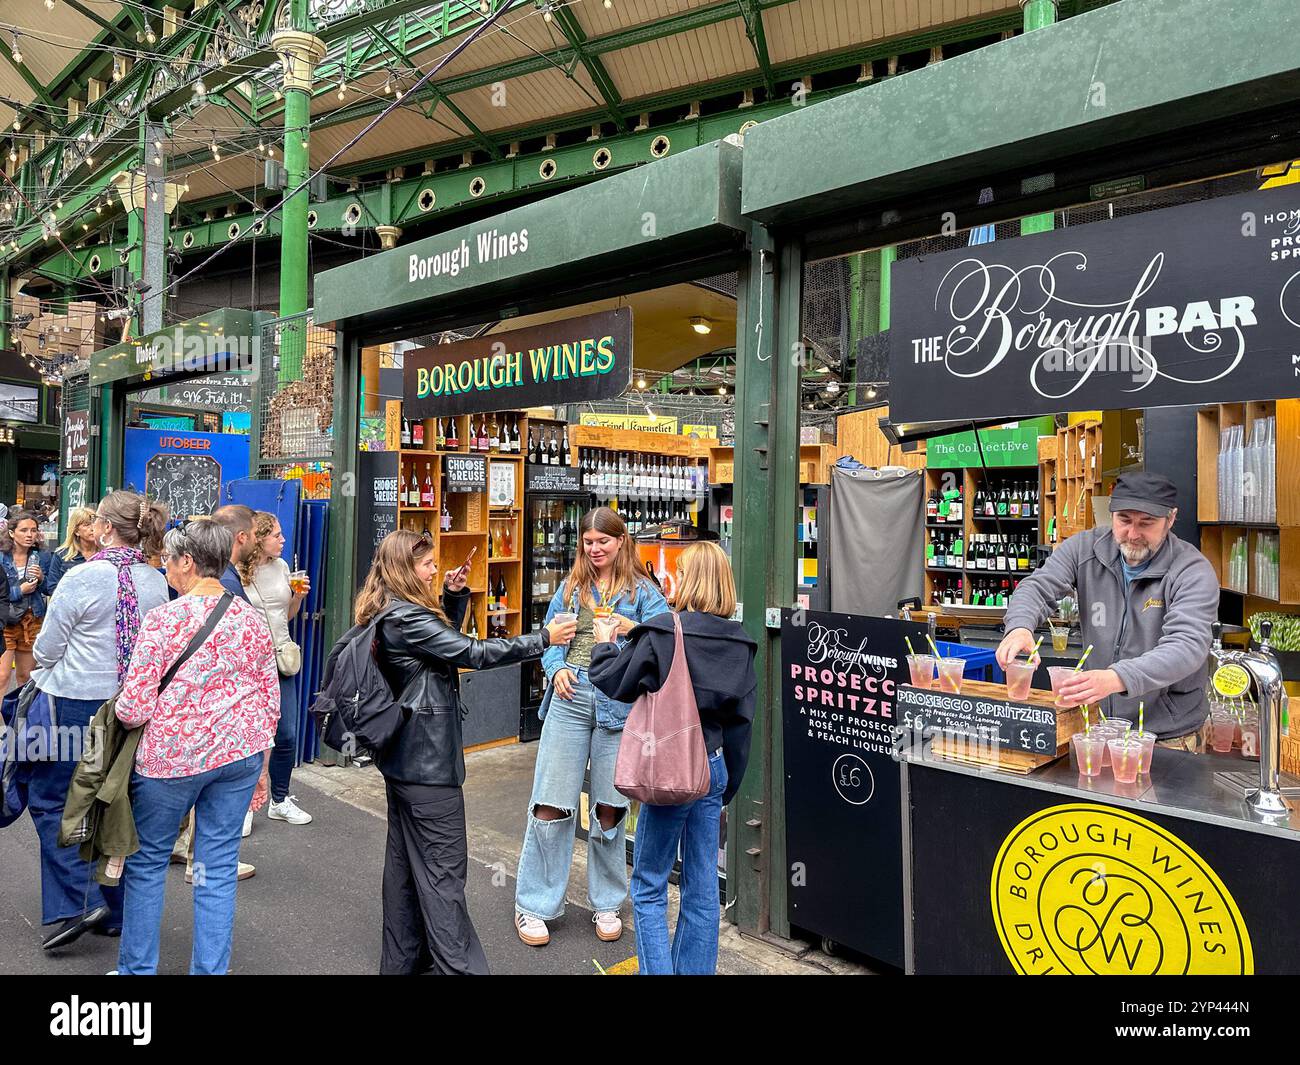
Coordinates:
1060	873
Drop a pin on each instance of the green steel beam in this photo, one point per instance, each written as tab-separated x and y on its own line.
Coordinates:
577	39
115	31
26	75
753	17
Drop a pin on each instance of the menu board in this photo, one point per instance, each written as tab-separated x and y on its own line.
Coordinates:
554	479
977	719
376	504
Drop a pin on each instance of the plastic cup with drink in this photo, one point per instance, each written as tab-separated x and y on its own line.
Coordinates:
1223	729
921	668
1087	748
1125	752
951	673
1020	676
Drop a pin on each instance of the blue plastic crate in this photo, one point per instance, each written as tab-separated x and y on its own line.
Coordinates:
981	662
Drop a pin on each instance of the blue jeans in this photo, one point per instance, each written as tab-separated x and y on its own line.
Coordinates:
285	754
659	829
68	886
570	736
219	799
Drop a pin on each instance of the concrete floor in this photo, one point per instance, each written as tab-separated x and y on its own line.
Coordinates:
314	905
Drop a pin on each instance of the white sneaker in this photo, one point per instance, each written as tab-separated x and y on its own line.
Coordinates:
248	825
288	811
609	925
532	930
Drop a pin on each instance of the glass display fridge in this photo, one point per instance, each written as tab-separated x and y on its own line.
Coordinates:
551	521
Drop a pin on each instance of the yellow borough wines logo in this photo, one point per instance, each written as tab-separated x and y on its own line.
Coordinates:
1081	889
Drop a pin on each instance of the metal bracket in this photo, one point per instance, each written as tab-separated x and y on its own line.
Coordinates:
772	617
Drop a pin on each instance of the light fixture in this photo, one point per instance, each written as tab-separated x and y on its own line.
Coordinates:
484	6
279	95
17	124
49	5
832	388
157	160
609	4
388	86
343	89
90	160
397	94
157	146
18	54
722	390
871	392
546	13
640	383
149	36
654	418
261	146
13	155
701	325
199	88
58	204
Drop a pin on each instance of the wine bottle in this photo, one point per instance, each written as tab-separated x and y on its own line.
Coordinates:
406	432
483	433
453	435
494	434
426	497
417	434
440	438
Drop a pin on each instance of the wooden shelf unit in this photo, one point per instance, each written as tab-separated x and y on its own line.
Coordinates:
1079	468
1048	448
471	518
815	462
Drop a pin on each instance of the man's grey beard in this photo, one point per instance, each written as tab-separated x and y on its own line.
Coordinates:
1134	556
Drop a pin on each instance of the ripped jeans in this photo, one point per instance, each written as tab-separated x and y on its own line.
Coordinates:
570	736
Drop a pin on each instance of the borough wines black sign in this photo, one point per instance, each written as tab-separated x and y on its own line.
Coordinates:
1191	304
584	358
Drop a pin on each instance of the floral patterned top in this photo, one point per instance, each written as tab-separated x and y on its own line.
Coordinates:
224	702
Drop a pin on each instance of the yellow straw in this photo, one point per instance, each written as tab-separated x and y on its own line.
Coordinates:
1141	707
932	646
1035	650
1083	659
910	649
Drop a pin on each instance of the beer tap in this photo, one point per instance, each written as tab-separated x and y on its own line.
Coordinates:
1265	795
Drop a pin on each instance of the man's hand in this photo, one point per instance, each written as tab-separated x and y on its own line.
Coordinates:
1014	643
1090	686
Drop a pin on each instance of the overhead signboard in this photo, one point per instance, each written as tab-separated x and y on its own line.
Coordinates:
578	359
1187	305
226	341
644	422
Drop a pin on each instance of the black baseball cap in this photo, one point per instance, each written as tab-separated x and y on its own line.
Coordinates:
1148	492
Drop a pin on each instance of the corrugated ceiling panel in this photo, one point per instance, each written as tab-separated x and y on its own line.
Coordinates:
531	99
690	58
60	36
816	27
596	21
219	179
402	131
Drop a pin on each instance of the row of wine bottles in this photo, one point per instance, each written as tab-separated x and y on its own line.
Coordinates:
623	475
484	433
986	551
412	492
984	592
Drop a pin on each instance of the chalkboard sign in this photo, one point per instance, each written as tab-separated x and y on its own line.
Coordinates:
840	674
465	473
376	504
186	484
559	479
76	439
977	719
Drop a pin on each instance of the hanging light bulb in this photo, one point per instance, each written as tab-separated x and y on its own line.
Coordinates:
155	196
13	155
305	142
157	146
17	124
261	146
17	51
722	390
199	88
157	160
397	95
388	86
279	95
149	36
343	89
609	4
90	160
484	6
640	383
58	204
49	5
546	13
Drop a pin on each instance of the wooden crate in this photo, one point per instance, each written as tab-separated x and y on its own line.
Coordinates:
1068	722
858	434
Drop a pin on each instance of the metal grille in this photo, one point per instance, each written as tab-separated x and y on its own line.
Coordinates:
297	392
76	392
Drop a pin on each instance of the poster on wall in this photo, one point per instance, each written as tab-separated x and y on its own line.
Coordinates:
465	473
501	484
839	677
1192	304
577	359
183	470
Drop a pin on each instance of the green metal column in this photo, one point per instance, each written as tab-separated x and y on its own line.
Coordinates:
1038	15
864	309
887	257
769	366
6	310
299	52
340	569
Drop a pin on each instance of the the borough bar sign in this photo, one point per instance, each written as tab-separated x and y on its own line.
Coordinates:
1191	304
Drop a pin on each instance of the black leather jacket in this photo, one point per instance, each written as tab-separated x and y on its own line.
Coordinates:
421	657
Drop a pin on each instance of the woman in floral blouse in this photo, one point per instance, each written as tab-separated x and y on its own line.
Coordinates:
203	746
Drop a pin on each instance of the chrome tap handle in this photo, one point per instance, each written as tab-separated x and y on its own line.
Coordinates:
1216	634
1265	631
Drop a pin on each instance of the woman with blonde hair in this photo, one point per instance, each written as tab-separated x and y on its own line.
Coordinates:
581	724
78	545
265	577
420	650
720	656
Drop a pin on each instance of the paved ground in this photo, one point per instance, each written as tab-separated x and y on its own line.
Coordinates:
314	905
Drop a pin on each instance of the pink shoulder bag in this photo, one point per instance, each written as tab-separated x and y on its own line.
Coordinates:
661	757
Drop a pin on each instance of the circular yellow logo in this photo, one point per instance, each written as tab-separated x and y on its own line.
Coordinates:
1231	681
1082	888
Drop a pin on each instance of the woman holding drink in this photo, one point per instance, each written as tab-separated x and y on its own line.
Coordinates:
25	567
271	589
582	724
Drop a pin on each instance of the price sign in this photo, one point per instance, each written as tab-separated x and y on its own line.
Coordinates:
1012	726
1231	682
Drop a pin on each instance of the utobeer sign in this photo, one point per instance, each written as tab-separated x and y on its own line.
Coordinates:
571	361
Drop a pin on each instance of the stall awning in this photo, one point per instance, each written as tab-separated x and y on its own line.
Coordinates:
654	218
225	341
1090	84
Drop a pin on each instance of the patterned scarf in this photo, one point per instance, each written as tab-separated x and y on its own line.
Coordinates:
126	615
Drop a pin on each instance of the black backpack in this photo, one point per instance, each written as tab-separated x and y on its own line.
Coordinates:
356	709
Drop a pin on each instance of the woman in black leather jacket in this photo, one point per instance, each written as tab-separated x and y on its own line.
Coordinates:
420	650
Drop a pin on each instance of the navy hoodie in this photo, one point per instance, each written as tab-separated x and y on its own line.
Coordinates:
720	656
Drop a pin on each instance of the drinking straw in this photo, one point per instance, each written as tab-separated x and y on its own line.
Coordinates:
1101	713
1087	727
910	649
1035	650
1083	659
932	646
1141	708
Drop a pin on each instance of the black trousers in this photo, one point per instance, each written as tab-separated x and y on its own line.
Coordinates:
426	922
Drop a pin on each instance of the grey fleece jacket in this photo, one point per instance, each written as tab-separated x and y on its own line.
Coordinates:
1155	634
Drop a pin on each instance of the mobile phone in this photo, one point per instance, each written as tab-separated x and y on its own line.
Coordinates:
464	566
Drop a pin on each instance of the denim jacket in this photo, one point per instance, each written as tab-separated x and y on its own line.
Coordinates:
610	714
36	599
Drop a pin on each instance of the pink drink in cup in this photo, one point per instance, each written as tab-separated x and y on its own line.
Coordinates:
1059	675
1110	730
1125	758
951	672
922	670
1087	748
1148	741
1224	730
1020	676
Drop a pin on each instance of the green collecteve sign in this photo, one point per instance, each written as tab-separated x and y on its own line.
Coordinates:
1016	446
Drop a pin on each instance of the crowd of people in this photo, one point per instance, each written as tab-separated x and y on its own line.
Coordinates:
172	642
